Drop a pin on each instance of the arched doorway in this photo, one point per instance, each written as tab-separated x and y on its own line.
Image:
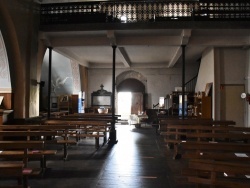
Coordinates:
130	97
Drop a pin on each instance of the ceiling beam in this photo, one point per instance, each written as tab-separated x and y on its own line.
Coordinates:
110	39
175	57
149	40
79	41
120	50
185	35
123	56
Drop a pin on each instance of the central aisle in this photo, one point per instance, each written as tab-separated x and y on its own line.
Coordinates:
138	160
135	161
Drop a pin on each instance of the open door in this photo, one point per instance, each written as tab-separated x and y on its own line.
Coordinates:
137	103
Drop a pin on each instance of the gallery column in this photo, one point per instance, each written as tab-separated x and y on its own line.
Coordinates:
112	138
183	81
49	82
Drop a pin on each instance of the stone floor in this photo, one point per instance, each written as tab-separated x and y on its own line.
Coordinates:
138	160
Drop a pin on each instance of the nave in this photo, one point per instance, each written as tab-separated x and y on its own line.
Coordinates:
138	160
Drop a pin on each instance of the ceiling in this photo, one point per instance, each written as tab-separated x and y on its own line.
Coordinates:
152	48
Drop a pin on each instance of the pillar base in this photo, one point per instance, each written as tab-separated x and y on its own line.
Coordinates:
112	137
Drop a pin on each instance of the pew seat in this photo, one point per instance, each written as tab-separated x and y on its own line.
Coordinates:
178	134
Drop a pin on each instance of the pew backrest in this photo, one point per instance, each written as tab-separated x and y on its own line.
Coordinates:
163	124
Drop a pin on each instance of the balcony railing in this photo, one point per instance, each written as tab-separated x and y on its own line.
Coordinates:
144	11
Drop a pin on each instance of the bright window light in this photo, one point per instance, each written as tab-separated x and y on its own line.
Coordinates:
123	19
124	104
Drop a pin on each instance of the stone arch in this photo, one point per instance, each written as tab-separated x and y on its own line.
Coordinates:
4	68
16	70
132	85
130	75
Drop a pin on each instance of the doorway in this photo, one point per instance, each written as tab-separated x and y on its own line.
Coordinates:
130	97
232	106
137	103
129	103
124	104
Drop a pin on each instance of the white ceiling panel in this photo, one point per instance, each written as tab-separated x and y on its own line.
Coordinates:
142	47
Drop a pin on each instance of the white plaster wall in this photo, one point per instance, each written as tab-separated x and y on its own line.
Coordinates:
223	66
216	92
232	71
206	72
160	82
233	65
96	77
61	74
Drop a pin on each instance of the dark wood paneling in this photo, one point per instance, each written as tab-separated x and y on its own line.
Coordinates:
7	101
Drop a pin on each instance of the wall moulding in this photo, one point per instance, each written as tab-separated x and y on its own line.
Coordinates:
5	90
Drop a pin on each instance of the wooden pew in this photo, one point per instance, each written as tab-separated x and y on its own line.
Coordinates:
166	124
26	135
220	151
96	129
65	118
13	171
211	151
23	146
163	123
177	134
63	131
217	164
57	114
90	117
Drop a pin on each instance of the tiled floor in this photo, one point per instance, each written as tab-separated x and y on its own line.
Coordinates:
138	160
